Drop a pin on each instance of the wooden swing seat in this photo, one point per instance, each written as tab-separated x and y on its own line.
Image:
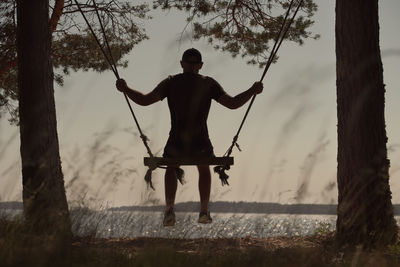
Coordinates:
160	161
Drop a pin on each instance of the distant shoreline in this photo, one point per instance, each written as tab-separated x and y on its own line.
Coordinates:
228	207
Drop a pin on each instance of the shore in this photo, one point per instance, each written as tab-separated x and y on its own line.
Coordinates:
20	248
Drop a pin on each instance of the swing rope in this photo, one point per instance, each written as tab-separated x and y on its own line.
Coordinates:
278	41
111	62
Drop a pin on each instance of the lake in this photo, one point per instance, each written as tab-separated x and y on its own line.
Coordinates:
241	219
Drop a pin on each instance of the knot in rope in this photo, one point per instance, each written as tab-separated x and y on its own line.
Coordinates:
235	143
222	175
147	178
180	174
144	138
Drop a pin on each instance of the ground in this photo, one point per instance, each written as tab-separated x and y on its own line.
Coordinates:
316	250
20	248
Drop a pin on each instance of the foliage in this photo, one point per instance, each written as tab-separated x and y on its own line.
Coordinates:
243	27
394	250
323	228
73	47
18	247
8	54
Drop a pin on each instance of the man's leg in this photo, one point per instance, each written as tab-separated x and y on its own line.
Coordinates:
204	186
170	191
171	185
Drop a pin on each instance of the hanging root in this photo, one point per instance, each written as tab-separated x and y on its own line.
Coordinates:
147	178
180	175
222	175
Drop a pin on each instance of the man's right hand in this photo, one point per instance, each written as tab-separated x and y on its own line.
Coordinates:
121	85
257	87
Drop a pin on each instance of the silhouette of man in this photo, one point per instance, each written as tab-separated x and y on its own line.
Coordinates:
189	96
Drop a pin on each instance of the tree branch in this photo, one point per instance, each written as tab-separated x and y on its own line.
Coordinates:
55	16
6	66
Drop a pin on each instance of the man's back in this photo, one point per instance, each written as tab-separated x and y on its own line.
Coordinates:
189	99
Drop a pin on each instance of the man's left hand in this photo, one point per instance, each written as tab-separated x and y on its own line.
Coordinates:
121	85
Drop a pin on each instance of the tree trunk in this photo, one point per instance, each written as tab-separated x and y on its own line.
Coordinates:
45	204
365	211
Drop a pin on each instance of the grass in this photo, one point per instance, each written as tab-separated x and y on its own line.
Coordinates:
18	247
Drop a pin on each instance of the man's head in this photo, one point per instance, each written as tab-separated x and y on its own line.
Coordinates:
191	60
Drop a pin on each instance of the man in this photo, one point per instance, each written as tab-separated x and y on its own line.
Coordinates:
189	96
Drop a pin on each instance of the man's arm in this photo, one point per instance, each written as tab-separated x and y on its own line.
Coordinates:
240	99
136	96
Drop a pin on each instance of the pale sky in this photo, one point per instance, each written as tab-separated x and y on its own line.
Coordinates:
288	139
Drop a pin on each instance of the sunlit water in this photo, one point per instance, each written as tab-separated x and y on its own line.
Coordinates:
106	224
149	224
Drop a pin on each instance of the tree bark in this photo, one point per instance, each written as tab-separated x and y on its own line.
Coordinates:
45	204
365	211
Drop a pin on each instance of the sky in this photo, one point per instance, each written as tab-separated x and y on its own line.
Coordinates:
288	141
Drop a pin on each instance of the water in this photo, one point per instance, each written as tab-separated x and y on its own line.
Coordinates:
108	224
128	224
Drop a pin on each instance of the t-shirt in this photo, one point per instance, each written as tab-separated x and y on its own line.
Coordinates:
189	98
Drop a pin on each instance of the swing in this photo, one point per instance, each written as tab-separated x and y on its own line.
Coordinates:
223	163
160	161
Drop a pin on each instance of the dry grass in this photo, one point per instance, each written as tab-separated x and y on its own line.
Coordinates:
20	248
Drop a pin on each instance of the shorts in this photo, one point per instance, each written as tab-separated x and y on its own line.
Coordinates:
177	149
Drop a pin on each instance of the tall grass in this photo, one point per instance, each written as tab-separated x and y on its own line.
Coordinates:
21	248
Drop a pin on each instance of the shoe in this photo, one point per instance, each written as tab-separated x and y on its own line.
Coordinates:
169	218
204	217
